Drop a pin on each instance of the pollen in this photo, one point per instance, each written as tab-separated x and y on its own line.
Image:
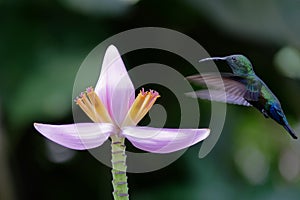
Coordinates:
140	107
93	107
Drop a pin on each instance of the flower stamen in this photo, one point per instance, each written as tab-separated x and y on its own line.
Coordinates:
140	107
91	104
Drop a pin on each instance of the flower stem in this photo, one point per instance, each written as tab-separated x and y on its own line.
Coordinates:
119	168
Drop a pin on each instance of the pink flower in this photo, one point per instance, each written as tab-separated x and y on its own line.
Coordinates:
115	111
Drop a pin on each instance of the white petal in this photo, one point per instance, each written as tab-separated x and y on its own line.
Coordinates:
162	140
77	136
114	86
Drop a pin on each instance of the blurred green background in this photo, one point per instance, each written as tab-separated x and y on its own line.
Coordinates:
42	45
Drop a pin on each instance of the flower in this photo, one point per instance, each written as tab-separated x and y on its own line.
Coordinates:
115	112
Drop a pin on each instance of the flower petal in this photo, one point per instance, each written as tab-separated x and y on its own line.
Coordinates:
162	140
77	136
114	86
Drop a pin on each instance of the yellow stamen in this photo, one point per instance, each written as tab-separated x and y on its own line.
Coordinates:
86	109
91	104
140	107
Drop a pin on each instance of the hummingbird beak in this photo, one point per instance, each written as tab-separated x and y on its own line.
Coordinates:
213	58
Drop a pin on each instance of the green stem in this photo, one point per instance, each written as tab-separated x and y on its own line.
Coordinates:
119	168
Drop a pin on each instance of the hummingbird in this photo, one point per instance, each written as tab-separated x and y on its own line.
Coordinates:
242	87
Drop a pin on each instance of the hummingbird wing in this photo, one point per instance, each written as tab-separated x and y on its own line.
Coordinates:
234	86
220	96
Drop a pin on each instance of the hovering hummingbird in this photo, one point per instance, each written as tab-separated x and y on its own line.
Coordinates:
243	87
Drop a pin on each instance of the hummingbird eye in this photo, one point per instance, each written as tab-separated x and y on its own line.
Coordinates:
233	58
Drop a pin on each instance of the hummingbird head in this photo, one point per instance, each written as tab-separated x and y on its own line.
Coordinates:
239	64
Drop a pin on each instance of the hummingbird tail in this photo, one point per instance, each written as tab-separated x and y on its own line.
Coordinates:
290	130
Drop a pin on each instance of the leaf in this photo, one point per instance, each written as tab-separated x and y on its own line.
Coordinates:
47	90
263	21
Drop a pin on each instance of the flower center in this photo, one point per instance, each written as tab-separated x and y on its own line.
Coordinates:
142	104
91	104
